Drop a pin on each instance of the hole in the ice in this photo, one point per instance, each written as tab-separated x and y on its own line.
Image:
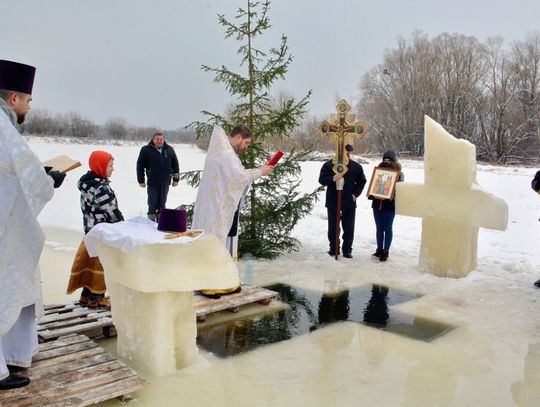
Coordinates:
310	310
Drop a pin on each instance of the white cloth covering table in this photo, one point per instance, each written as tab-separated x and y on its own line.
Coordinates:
151	281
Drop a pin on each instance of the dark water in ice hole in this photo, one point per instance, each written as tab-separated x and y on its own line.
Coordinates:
311	310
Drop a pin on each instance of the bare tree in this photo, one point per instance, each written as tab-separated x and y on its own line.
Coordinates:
526	61
482	92
117	128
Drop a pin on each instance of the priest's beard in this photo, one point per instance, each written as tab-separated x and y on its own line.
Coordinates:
20	118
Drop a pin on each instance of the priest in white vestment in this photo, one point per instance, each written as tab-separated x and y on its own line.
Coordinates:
224	183
25	187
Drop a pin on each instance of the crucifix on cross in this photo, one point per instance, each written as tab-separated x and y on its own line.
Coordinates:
341	128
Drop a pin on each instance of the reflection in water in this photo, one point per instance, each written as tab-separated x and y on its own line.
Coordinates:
310	310
376	312
333	308
526	393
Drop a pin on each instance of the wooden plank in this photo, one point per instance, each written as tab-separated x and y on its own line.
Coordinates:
64	350
204	306
56	387
66	340
68	315
73	321
94	396
67	358
75	378
57	305
71	318
55	333
80	363
51	309
68	304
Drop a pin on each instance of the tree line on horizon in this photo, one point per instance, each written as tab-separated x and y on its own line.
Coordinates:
486	93
41	122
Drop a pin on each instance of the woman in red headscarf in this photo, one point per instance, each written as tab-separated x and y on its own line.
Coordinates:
98	204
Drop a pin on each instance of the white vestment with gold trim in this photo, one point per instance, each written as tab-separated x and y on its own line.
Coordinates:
24	190
223	184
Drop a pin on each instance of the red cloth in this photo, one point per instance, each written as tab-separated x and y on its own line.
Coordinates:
98	162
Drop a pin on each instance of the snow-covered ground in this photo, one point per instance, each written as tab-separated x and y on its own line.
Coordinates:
492	358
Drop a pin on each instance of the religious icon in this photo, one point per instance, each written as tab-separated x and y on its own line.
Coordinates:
383	183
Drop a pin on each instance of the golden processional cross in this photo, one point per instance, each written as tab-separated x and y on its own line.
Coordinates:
341	128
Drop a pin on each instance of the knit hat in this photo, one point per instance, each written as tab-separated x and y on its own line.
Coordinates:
390	155
16	77
98	162
349	148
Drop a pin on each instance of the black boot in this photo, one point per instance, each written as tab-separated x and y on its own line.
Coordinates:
13	382
377	253
384	255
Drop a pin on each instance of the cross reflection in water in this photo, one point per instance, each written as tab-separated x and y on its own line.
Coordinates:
309	310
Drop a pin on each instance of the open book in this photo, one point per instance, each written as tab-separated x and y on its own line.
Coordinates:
62	163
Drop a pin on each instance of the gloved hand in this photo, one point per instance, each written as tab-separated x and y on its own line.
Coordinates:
57	176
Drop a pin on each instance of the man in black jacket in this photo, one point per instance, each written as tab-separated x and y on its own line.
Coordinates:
159	161
354	184
535	185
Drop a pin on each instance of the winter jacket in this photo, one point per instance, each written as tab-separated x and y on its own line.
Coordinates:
387	204
535	183
159	167
354	184
98	201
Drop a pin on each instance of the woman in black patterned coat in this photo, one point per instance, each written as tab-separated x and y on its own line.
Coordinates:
98	201
98	205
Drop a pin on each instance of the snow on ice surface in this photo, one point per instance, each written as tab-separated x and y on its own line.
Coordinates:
502	254
485	361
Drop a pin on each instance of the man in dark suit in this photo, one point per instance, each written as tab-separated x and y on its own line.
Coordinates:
354	184
159	161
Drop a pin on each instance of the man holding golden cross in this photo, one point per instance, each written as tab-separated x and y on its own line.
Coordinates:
344	178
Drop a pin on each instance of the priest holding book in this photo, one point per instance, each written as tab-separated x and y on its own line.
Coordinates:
25	188
223	185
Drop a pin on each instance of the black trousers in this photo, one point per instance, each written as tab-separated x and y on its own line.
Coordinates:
347	226
157	197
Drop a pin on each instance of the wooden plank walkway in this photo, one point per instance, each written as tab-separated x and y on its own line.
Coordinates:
73	371
232	302
68	318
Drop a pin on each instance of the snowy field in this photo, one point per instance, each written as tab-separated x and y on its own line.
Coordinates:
491	359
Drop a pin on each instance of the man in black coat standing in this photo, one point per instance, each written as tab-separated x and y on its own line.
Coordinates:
535	185
159	161
354	184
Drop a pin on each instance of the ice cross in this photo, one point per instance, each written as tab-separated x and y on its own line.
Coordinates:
341	127
451	204
308	310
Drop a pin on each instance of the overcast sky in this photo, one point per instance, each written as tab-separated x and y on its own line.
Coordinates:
140	59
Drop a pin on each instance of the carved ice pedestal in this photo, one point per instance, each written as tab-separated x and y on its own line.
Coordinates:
151	282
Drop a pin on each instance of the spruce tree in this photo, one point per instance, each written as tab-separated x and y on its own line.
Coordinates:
274	204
